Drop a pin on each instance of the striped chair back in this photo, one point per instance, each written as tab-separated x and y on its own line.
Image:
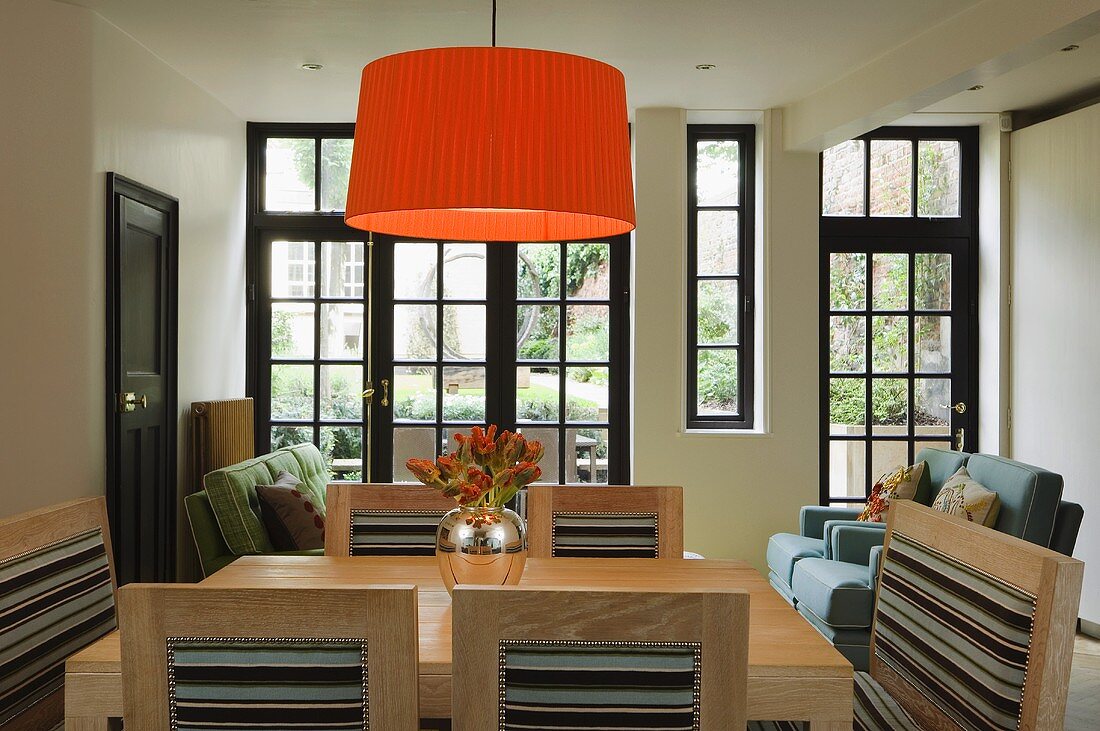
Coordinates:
605	522
194	657
973	628
588	660
383	520
56	597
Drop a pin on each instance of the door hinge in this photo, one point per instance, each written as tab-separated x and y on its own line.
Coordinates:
748	305
252	293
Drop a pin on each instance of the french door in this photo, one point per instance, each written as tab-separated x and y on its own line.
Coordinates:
898	303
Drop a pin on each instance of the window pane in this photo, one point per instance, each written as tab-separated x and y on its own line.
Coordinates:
289	184
414	332
887	457
464	271
891	177
847	406
586	335
847	281
890	281
291	392
292	268
842	176
343	270
292	330
586	395
335	170
537	393
549	463
717	172
407	443
537	332
847	468
933	353
848	344
890	405
414	393
938	170
932	281
341	392
341	331
588	268
890	344
539	271
464	394
930	411
288	436
464	332
716	247
342	449
586	456
716	382
718	305
414	271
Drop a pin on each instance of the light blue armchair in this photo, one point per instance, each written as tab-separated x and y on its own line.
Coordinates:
828	571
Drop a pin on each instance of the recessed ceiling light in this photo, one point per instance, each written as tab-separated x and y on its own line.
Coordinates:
705	66
976	87
1070	47
312	66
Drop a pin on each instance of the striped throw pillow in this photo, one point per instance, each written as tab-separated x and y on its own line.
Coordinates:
394	532
294	684
961	637
54	600
604	535
599	685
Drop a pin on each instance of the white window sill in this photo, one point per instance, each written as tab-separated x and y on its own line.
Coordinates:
725	433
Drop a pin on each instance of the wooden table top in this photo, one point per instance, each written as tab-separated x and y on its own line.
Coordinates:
781	642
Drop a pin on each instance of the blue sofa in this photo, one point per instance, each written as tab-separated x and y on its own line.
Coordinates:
829	568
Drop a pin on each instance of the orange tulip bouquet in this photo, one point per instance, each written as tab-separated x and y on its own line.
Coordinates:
485	471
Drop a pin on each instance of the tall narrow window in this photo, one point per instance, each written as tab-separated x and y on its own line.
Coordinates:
720	277
898	303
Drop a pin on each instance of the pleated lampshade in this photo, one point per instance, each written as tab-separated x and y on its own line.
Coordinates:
491	144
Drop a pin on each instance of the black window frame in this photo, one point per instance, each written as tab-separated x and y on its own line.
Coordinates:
745	136
896	234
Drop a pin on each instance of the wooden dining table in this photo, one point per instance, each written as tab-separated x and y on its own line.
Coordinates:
794	673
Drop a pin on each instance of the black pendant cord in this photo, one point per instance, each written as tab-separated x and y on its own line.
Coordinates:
494	23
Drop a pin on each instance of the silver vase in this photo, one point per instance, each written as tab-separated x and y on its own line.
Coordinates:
481	546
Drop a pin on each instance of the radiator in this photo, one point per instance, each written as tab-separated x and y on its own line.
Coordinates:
221	434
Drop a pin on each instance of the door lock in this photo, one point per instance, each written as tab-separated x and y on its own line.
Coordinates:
368	395
960	439
129	401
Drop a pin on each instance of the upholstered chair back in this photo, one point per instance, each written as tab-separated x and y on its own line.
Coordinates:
572	659
194	657
605	522
57	595
383	520
973	628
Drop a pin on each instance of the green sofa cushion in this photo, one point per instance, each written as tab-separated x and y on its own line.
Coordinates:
838	593
311	470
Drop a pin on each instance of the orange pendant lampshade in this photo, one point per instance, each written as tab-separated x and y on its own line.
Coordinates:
491	144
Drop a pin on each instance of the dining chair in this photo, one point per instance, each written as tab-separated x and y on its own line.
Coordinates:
973	628
383	520
605	522
575	659
340	658
57	595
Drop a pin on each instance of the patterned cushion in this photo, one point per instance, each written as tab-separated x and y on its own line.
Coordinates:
292	520
961	638
963	497
901	484
875	710
230	684
394	532
312	469
604	535
54	600
593	685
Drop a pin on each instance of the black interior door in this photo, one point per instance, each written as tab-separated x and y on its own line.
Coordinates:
141	399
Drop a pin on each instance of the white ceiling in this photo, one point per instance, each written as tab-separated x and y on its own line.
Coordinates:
768	53
1050	79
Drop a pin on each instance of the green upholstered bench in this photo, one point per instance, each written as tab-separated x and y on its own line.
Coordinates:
225	517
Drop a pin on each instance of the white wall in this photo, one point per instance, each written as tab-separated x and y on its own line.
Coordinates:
79	98
738	488
1056	315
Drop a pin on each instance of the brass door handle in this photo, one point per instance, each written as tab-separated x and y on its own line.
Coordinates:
959	408
960	439
385	392
369	394
129	401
